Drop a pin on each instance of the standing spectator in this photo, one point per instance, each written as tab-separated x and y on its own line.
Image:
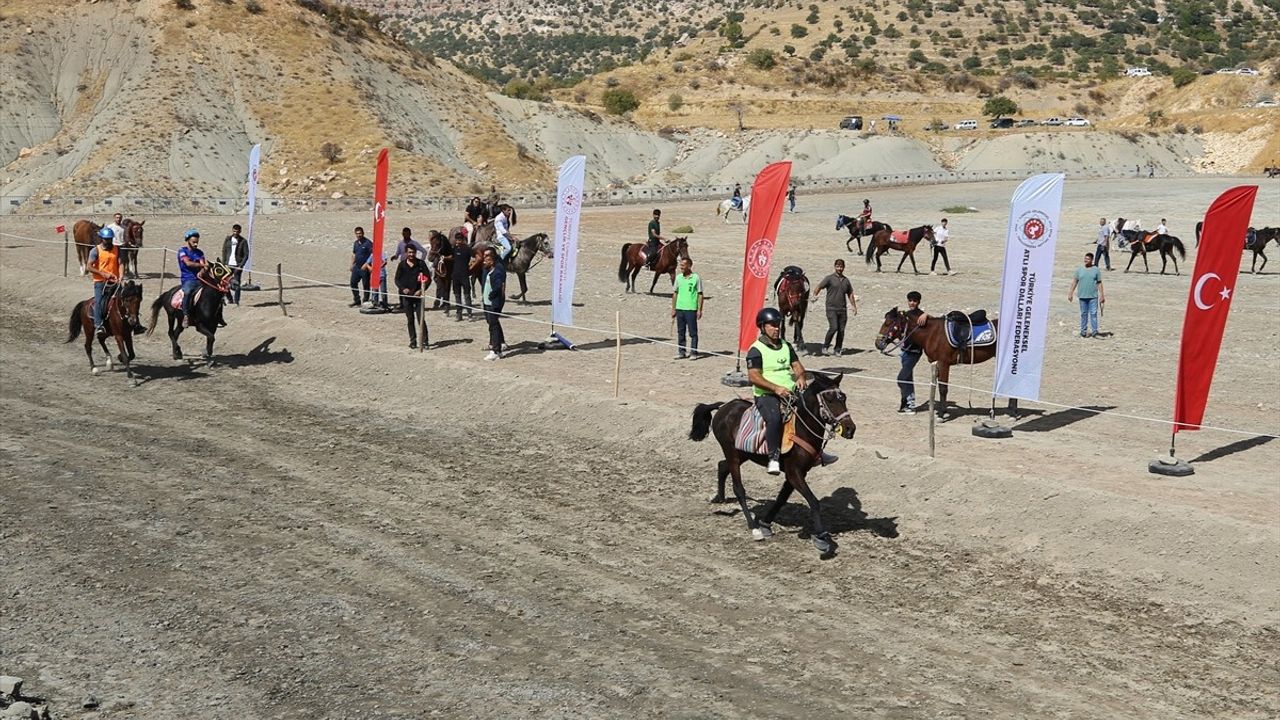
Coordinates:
361	267
1089	281
104	266
379	296
1151	170
791	196
686	308
117	231
1103	242
910	356
235	253
412	277
653	244
190	261
839	290
493	296
406	240
460	274
940	235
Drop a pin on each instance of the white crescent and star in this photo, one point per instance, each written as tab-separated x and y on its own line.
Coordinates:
1225	293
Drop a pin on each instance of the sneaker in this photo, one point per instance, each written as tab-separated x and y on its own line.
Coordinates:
1083	334
492	356
774	468
367	305
839	351
1093	334
681	356
906	410
932	272
100	331
821	351
413	345
828	458
354	303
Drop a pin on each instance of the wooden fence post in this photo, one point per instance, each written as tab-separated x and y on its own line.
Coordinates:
617	361
280	290
933	416
66	253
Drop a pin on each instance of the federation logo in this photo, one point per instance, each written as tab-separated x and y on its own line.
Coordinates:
571	200
1034	229
759	255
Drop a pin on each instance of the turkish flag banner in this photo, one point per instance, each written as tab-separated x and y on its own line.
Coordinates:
767	194
60	229
1213	283
379	216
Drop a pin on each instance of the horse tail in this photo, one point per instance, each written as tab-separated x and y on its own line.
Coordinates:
622	265
73	330
871	248
1177	245
718	207
155	312
702	420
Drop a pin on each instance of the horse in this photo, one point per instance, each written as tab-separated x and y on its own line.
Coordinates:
856	233
129	246
123	307
792	291
206	309
520	262
932	338
821	411
726	205
1272	171
1260	239
85	235
633	258
1165	244
882	242
441	266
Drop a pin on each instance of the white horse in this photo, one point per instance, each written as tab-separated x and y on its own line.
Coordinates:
727	205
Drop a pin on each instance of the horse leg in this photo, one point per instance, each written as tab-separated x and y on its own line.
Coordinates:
822	539
88	342
944	374
722	472
740	492
175	329
783	494
654	284
1133	255
1264	259
1145	267
635	273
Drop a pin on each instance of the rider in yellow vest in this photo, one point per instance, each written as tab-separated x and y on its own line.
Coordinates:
775	373
104	265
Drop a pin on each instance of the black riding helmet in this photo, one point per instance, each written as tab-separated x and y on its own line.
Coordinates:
768	316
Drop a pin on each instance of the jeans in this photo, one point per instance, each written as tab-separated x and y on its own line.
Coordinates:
99	304
940	252
359	277
792	200
379	296
687	320
462	295
188	289
493	316
770	408
1102	251
1089	314
235	284
651	251
836	318
906	378
409	304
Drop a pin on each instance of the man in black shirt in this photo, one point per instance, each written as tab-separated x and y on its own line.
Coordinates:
460	275
654	245
412	277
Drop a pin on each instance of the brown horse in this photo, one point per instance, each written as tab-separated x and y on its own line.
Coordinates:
441	266
633	259
1260	240
821	410
123	307
883	241
856	231
792	291
1166	245
898	328
130	245
85	235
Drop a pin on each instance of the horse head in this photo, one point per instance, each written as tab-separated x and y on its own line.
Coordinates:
129	301
541	243
219	277
892	331
681	245
132	232
824	400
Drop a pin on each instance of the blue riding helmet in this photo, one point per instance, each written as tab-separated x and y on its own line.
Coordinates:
190	234
107	233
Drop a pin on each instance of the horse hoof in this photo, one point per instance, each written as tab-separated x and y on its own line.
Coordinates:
96	371
764	532
717	499
825	543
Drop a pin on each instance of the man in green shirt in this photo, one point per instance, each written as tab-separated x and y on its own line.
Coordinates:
686	308
1089	282
654	244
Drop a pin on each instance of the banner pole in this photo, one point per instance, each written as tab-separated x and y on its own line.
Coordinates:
280	290
617	360
422	322
933	416
66	253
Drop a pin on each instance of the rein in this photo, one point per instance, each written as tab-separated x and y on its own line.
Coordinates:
827	422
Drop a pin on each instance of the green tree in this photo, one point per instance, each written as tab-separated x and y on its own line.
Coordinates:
1183	76
999	106
798	31
762	58
675	102
619	101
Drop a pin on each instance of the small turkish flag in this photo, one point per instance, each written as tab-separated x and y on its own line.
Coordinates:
60	229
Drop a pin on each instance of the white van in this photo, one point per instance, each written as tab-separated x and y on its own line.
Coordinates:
967	125
1137	72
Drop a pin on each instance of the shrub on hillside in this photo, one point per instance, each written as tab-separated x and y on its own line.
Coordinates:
799	31
331	152
1183	76
674	102
184	4
522	90
253	6
762	59
619	101
999	106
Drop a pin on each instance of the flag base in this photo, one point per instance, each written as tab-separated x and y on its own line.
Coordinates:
556	341
251	287
989	428
375	310
1171	466
735	379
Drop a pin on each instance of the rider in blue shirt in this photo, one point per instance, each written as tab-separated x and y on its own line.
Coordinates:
190	261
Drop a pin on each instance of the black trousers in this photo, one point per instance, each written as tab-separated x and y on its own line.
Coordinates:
492	316
836	319
409	306
770	408
359	277
462	296
940	252
1102	251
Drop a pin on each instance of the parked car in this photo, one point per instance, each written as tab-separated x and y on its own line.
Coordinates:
1226	71
967	125
1025	122
1001	123
1051	121
851	122
1266	103
1247	71
1077	122
1137	72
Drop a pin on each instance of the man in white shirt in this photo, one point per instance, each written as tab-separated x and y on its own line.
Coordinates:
118	238
1162	229
502	231
940	234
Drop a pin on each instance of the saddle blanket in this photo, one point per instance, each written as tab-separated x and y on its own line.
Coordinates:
900	236
175	301
983	334
750	435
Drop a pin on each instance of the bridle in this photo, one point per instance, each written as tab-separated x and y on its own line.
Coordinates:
898	327
828	421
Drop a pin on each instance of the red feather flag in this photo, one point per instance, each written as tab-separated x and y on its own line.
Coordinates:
767	195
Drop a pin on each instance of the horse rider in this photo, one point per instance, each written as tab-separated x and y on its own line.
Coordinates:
104	266
653	247
502	231
775	374
1162	229
864	217
475	212
737	196
191	261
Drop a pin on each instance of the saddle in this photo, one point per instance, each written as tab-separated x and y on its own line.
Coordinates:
750	435
175	301
789	275
971	330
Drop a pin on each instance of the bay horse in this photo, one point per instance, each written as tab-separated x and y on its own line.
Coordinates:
633	258
1166	245
932	338
883	241
85	235
123	307
1260	240
206	309
821	411
726	206
520	262
856	233
792	291
441	266
130	245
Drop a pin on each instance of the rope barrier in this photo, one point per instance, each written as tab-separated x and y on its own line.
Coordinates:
729	356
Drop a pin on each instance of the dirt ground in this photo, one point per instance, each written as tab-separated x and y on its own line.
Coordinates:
328	524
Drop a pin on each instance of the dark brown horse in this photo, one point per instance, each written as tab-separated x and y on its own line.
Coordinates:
85	235
206	309
130	245
1166	245
883	241
633	259
441	266
121	317
1260	240
521	261
932	338
820	411
856	231
792	291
